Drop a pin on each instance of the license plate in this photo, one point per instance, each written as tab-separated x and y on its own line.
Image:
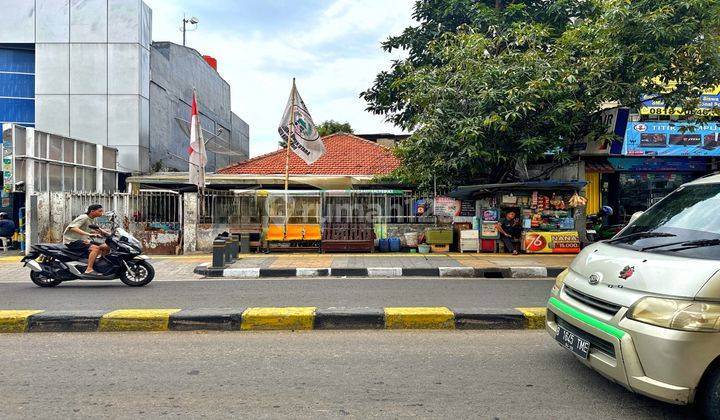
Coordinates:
573	342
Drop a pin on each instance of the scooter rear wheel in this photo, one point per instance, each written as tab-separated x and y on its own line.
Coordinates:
42	280
143	274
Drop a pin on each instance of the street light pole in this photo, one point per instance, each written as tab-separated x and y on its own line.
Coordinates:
193	21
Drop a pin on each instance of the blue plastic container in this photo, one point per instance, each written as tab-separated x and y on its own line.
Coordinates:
394	244
383	245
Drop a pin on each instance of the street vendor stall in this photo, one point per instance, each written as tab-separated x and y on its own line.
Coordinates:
546	210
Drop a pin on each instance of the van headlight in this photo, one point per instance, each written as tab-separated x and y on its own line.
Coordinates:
685	315
559	280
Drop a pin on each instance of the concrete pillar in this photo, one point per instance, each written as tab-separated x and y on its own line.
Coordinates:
190	222
98	168
56	218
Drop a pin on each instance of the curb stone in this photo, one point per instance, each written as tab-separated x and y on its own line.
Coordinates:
467	272
281	318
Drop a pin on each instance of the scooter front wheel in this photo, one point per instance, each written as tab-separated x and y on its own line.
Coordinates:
42	280
140	274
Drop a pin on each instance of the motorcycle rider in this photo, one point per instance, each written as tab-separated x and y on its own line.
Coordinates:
78	234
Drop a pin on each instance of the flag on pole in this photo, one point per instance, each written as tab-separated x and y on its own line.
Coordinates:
306	141
196	150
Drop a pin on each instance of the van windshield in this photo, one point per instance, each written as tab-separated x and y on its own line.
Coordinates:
685	223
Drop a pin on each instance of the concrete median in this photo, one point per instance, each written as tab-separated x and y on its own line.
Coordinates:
271	318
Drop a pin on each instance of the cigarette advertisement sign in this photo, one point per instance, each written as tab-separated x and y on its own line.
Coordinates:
552	242
650	138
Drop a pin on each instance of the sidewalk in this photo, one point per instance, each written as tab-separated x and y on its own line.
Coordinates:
390	265
315	260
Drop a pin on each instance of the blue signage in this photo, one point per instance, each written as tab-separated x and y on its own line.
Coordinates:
654	138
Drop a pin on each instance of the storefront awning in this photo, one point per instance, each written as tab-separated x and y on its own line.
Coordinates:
603	168
467	192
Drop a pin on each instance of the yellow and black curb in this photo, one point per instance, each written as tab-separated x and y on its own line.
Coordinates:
281	318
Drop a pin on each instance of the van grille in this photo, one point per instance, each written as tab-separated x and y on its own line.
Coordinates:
595	342
600	305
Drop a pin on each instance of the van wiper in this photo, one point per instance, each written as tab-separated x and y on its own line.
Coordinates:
642	235
700	243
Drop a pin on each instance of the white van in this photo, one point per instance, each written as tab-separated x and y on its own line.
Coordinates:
643	308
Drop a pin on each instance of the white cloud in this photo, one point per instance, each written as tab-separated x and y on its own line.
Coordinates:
259	65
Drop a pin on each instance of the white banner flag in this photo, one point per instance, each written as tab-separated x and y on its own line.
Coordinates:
196	151
306	141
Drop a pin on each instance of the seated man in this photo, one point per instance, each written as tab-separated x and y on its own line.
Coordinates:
78	233
7	226
510	229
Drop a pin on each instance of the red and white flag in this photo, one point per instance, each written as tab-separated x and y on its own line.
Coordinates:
196	151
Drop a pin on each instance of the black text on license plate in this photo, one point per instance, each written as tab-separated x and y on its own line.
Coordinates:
573	342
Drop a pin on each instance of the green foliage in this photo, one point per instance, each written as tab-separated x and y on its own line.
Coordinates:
331	127
488	84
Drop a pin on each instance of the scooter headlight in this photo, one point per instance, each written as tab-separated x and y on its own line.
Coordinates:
559	280
677	314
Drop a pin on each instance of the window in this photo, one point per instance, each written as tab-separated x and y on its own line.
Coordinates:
90	155
79	153
68	151
90	179
68	178
109	181
55	148
108	158
55	177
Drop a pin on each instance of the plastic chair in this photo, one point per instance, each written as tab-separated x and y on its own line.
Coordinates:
6	242
312	233
294	233
275	233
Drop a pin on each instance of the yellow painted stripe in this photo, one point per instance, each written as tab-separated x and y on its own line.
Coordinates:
15	321
287	318
136	320
426	318
535	317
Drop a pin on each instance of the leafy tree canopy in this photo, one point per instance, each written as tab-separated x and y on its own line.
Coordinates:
489	84
331	127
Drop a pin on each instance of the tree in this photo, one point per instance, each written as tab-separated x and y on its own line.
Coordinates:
518	79
331	127
328	127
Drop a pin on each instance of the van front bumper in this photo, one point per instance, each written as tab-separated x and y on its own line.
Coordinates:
613	352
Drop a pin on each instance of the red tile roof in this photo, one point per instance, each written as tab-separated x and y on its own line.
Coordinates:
345	154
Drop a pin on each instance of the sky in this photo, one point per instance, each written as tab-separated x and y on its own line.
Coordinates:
331	47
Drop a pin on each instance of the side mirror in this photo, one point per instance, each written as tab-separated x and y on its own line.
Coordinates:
635	216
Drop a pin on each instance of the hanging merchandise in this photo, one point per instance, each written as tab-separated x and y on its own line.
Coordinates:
534	200
557	203
577	201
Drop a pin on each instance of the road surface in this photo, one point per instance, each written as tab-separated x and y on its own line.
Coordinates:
323	292
315	374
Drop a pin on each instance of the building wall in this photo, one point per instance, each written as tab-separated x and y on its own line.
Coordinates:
175	71
92	70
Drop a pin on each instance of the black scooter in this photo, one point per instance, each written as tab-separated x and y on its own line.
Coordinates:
52	264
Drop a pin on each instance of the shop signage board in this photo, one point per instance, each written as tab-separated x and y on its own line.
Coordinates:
615	121
653	104
709	106
446	206
567	242
7	163
653	138
489	230
467	208
649	164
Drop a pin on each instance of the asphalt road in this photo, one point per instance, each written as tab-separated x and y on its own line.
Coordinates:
327	292
318	374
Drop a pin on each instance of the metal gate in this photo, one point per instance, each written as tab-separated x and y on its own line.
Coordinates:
153	217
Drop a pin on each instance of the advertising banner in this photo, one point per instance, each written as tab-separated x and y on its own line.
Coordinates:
651	138
446	206
552	242
654	104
